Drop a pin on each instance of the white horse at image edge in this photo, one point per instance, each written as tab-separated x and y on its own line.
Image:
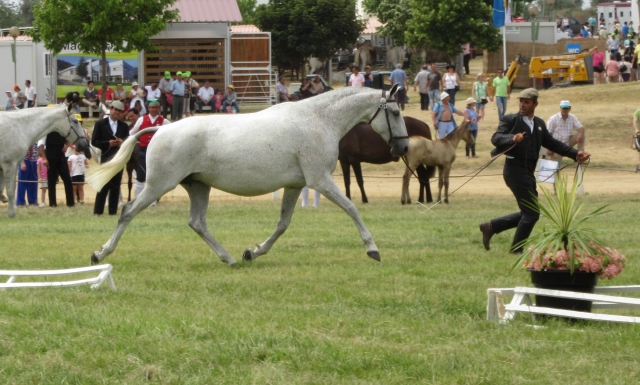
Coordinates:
21	129
290	145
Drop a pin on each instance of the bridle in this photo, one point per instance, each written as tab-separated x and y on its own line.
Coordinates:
383	106
71	128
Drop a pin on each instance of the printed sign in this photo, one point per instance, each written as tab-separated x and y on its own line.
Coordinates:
511	30
573	48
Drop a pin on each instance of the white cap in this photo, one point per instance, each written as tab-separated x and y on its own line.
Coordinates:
134	84
444	95
565	104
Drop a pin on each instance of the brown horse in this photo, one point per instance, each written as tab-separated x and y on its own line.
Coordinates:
439	153
363	144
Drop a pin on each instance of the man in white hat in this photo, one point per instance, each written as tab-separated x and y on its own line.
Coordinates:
566	128
523	134
443	116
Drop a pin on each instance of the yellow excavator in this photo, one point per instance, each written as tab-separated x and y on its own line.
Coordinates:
575	68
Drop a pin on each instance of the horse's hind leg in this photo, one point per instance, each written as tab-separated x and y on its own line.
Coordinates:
199	196
329	189
423	178
10	172
3	198
289	199
357	171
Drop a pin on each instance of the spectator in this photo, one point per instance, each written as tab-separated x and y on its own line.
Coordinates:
598	64
218	99
205	97
613	44
368	77
471	115
107	101
177	90
634	60
165	89
625	68
443	116
592	25
28	178
190	93
30	93
153	119
466	52
356	79
19	97
602	33
480	94
231	99
108	135
305	88
434	82
502	92
584	31
398	76
304	194
421	82
612	69
316	86
451	83
11	102
133	114
78	164
42	180
90	98
283	92
625	31
135	87
636	118
566	128
120	94
138	98
153	92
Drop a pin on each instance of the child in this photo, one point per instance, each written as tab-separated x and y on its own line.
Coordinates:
77	166
11	103
42	179
218	99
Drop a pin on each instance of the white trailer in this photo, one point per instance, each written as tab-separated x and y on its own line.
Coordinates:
618	9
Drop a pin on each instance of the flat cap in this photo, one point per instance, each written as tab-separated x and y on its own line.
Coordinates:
529	93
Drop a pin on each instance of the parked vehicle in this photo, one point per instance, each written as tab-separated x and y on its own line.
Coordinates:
312	77
574	24
380	80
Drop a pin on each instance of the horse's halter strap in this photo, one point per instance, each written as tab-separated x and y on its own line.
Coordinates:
383	106
78	137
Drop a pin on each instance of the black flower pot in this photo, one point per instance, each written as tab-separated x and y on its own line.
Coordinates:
579	281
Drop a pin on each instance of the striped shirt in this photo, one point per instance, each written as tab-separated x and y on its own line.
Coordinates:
562	129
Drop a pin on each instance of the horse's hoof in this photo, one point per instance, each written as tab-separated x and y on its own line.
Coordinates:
247	255
374	254
94	259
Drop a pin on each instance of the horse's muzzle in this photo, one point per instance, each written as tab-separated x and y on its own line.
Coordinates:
82	144
399	147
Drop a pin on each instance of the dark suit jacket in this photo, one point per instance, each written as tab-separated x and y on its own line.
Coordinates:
102	134
528	150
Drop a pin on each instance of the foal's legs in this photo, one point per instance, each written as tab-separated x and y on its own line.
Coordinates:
10	171
289	199
406	179
328	188
199	196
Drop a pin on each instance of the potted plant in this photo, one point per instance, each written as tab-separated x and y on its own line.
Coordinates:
566	255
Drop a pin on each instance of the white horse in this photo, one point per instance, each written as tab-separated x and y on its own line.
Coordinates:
290	145
363	55
395	55
21	129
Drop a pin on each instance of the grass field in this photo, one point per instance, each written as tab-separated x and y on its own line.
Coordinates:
316	310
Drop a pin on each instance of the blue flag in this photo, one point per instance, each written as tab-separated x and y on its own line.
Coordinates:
498	13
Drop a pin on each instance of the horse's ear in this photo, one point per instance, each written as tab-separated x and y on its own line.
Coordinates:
69	108
393	91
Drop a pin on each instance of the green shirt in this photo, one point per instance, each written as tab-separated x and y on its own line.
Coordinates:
501	84
637	114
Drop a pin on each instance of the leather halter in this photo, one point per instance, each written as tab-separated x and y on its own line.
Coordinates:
78	137
386	113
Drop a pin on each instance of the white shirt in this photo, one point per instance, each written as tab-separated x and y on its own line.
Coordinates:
206	93
143	110
114	125
31	93
151	94
136	127
529	122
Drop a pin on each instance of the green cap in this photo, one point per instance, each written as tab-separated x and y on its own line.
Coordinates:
187	73
179	73
167	75
154	103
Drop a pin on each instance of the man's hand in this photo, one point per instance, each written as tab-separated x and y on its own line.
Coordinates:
23	166
45	162
582	156
549	153
519	137
508	96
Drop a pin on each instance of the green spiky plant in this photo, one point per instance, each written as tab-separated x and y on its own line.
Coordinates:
566	243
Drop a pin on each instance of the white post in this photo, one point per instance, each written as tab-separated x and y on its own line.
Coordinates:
504	48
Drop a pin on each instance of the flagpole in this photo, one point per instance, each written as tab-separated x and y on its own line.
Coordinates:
504	48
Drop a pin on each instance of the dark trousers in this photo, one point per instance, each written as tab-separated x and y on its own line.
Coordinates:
465	59
401	98
211	103
141	170
113	189
30	186
424	101
176	108
471	148
452	95
522	183
58	167
164	105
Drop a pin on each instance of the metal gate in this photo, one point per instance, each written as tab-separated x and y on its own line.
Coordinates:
250	68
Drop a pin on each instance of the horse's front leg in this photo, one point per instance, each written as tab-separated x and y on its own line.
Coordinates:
10	171
289	199
447	171
329	189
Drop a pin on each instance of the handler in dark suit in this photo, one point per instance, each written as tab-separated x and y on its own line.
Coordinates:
108	135
528	133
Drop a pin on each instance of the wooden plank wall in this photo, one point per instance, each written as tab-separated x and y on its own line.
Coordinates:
205	59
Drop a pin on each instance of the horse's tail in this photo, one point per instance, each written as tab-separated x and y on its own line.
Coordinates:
100	175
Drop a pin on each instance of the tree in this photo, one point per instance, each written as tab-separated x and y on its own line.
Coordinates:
95	26
395	14
9	15
26	9
446	25
248	11
302	28
81	68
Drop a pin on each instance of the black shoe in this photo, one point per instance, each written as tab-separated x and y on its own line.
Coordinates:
487	233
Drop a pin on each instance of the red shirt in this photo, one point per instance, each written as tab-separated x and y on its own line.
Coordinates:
109	94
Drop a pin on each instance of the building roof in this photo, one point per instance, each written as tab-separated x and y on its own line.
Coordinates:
208	11
19	38
371	28
245	28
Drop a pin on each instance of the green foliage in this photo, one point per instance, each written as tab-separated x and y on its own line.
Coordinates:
248	11
301	28
26	9
446	25
9	15
81	68
394	14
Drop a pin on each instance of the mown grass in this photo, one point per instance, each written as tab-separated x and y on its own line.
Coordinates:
315	310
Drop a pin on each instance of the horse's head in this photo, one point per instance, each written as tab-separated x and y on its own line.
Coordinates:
75	133
468	134
388	122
